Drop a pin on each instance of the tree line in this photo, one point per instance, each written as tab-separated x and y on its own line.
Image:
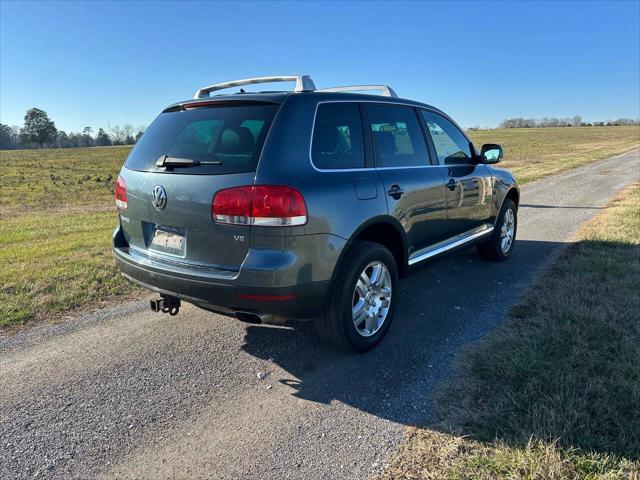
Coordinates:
39	131
519	122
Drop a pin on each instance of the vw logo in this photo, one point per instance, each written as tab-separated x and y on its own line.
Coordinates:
158	197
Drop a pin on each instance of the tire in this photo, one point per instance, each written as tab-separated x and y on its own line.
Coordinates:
336	323
496	248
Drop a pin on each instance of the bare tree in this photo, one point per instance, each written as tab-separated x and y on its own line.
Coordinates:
127	130
117	135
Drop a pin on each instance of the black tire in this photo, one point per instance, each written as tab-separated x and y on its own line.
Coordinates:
335	324
492	249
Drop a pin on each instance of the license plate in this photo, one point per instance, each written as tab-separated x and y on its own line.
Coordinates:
167	240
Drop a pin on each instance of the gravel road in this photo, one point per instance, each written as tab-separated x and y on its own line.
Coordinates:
125	393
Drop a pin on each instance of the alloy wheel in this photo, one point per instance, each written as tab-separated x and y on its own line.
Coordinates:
371	299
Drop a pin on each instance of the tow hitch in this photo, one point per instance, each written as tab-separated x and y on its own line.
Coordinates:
166	304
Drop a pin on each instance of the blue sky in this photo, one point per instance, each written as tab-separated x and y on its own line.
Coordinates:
99	63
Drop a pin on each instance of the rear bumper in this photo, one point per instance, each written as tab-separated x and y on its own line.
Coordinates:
227	291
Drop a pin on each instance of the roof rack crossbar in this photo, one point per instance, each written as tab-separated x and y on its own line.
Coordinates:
303	84
386	90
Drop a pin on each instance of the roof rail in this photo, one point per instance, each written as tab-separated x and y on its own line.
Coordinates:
303	84
386	90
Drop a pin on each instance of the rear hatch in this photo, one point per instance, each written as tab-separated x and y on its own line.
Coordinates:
184	157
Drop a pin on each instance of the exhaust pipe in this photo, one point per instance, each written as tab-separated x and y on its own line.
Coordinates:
248	317
166	304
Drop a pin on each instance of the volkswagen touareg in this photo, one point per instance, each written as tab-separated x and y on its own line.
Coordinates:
304	204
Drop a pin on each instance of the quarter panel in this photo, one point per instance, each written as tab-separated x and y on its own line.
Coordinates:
331	197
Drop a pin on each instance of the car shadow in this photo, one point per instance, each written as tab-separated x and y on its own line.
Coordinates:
443	305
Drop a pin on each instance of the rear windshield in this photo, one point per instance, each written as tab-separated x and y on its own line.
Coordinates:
229	135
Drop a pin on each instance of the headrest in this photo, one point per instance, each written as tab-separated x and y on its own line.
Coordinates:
236	140
326	139
385	143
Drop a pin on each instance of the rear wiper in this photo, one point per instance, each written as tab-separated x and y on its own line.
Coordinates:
172	162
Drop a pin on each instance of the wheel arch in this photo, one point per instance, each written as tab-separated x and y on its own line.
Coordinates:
513	194
384	230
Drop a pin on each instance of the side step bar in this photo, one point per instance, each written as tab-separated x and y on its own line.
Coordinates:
450	244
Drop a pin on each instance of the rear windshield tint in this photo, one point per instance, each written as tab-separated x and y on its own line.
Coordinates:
232	135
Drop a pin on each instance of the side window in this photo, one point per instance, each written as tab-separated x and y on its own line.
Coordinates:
397	136
451	145
337	136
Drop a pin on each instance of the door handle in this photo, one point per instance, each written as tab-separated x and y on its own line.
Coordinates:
395	192
452	184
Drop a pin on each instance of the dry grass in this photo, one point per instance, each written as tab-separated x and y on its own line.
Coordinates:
555	391
58	178
433	455
533	153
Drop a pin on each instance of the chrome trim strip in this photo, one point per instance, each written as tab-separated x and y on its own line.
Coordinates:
366	169
439	248
168	266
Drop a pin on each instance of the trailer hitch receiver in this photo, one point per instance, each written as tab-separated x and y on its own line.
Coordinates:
166	304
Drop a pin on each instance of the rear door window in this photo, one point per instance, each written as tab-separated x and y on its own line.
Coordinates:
231	136
337	136
397	136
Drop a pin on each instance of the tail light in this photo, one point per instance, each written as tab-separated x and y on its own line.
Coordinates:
120	190
263	205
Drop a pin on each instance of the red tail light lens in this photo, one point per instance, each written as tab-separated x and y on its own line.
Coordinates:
232	205
120	190
264	205
276	205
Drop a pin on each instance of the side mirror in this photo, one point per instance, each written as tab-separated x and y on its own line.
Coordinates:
491	153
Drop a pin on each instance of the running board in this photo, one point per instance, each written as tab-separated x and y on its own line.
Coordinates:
450	244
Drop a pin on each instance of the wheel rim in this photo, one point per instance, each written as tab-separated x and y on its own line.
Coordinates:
371	299
508	230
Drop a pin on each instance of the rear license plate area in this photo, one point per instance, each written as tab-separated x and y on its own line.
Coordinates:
168	240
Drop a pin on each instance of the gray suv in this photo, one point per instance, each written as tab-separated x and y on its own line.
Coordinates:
307	204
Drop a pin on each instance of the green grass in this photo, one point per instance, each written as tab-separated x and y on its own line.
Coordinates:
55	261
60	202
533	153
554	392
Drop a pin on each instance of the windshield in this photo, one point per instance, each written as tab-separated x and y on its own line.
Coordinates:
226	139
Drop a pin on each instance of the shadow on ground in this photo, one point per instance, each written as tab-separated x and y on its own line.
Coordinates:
443	305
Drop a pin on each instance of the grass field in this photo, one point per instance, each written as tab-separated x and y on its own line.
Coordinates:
57	213
56	219
53	179
553	393
532	153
